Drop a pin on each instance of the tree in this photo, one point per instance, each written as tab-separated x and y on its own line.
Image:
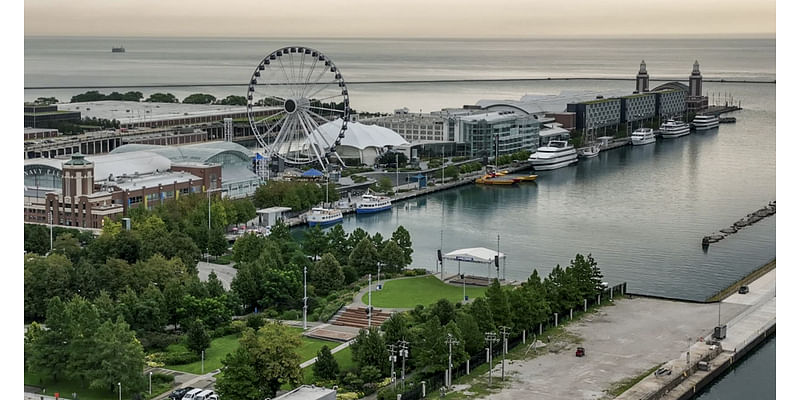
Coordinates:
338	244
325	368
364	257
326	275
396	328
403	239
248	247
132	96
46	101
199	98
162	98
451	172
45	277
265	360
479	309
118	357
369	349
444	311
233	101
384	185
497	298
392	257
214	285
472	335
393	157
315	242
197	338
48	355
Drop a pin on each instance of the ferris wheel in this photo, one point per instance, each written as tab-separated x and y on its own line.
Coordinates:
302	90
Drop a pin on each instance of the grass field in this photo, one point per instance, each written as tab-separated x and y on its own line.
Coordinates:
425	290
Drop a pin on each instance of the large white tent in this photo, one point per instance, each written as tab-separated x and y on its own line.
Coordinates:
364	142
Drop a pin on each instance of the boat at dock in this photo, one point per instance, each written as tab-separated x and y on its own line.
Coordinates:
673	129
643	136
727	120
495	180
324	216
704	122
557	154
372	204
589	152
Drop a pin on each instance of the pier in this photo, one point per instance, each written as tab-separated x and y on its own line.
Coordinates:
709	356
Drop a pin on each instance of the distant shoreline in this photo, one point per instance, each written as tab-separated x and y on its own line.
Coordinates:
178	85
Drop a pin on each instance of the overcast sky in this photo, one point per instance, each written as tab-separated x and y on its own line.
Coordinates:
396	18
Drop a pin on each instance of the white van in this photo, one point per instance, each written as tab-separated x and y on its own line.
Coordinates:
204	395
192	394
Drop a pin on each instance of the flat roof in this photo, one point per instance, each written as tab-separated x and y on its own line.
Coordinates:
133	111
307	392
271	210
153	180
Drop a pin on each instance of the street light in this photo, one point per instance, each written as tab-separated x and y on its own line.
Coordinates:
119	385
151	383
305	298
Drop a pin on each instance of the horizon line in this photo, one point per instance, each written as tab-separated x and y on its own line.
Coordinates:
742	35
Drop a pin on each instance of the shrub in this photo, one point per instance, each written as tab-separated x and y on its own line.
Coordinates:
163	378
272	313
184	357
152	341
289	315
227	330
255	321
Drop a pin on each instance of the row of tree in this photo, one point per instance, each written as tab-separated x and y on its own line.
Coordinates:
196	98
297	195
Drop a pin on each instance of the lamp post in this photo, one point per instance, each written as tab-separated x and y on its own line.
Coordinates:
490	338
392	359
396	173
504	331
450	342
369	306
50	220
150	380
464	285
305	298
119	386
404	354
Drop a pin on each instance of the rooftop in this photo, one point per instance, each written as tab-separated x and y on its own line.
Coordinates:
133	111
153	180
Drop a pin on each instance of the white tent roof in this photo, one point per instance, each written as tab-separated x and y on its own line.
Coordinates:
361	136
474	254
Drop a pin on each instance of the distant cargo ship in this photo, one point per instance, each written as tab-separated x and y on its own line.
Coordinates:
119	49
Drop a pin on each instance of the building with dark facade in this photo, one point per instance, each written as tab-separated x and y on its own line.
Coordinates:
642	79
48	115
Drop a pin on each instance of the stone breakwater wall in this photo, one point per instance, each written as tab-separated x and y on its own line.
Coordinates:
748	220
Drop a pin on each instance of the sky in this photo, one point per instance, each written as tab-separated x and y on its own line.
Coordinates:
395	18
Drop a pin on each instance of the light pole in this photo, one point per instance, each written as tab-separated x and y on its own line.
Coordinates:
404	354
369	306
490	338
202	361
396	172
392	359
305	298
464	285
151	383
450	342
504	331
50	219
379	277
119	386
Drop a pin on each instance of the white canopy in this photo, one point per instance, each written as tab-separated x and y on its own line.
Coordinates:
475	254
361	136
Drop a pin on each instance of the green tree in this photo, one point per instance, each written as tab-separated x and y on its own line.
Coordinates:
197	338
269	355
46	101
45	277
233	101
325	368
497	298
214	285
444	311
326	274
369	349
118	357
248	247
315	242
162	98
403	239
482	313
338	244
392	257
199	98
470	332
47	354
364	257
384	185
396	328
132	96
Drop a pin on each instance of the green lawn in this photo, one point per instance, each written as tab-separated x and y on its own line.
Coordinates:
66	388
344	358
220	348
425	290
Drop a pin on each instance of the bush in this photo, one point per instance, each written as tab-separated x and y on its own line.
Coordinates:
184	357
157	340
272	313
227	330
163	378
358	178
255	321
238	326
290	315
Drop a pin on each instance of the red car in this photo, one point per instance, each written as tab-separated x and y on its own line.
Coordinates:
580	352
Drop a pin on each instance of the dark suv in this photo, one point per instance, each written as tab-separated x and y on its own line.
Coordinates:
178	393
744	290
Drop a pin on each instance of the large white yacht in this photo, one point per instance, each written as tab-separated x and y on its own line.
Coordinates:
703	122
557	154
371	204
324	216
673	129
642	136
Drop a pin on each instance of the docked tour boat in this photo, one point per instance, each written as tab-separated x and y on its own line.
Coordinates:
324	216
642	136
371	204
703	122
557	154
673	129
589	152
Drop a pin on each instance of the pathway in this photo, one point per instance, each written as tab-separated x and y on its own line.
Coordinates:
225	273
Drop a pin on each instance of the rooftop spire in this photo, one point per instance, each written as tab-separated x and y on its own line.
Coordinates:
696	67
642	68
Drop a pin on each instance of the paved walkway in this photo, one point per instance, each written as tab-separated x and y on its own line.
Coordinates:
225	273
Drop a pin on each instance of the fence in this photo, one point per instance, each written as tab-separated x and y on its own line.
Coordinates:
434	382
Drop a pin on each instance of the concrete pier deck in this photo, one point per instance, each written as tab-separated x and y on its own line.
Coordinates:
744	331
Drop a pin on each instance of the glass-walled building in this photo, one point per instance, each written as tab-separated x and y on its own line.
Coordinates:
512	132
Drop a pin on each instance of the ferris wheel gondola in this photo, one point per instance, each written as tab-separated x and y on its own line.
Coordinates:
303	90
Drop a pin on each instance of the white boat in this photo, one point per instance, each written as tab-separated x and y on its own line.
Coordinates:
372	204
589	152
324	216
673	129
704	122
642	136
557	154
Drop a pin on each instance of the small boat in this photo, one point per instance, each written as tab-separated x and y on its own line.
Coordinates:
703	122
589	152
324	216
372	204
529	178
642	136
119	49
491	179
673	129
727	120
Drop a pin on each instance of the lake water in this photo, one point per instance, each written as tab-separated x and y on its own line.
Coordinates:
640	211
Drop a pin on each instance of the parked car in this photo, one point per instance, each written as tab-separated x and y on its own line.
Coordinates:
192	394
178	393
744	290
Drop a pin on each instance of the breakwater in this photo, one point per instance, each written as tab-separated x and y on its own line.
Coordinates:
748	220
